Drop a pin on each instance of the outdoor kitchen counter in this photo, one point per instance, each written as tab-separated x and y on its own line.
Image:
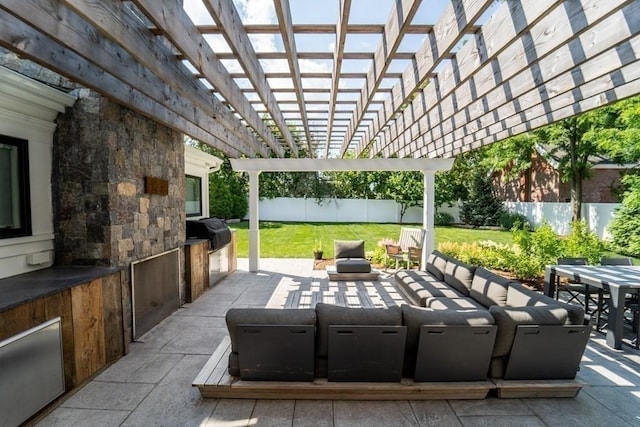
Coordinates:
25	288
88	300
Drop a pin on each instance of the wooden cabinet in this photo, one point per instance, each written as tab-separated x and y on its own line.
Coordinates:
92	327
204	268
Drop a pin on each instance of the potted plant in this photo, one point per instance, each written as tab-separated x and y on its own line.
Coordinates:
317	249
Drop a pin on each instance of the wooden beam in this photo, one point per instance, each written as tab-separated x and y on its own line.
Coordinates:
560	51
226	16
283	10
29	43
115	22
176	25
401	15
338	53
455	21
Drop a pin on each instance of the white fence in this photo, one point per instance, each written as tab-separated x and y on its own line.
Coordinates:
340	210
597	215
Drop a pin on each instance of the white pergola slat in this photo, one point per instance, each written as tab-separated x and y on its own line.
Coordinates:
468	84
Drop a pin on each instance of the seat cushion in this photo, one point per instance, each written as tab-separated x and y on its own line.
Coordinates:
508	318
348	249
329	314
461	303
489	288
352	265
436	264
459	275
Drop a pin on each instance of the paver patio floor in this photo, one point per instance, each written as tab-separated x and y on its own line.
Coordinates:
151	386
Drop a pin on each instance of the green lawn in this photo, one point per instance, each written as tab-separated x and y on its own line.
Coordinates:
296	240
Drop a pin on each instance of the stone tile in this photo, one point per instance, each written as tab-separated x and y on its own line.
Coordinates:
582	411
152	369
107	395
175	326
65	417
434	412
622	401
204	342
232	412
313	413
274	413
174	402
370	413
210	307
489	406
502	421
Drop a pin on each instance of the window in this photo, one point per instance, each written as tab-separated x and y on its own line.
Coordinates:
15	209
194	196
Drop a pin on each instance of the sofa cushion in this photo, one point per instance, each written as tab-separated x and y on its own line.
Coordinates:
348	249
329	314
508	318
489	288
459	275
352	265
414	317
460	303
266	316
519	295
411	283
436	264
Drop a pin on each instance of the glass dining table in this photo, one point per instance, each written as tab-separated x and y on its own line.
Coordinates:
617	280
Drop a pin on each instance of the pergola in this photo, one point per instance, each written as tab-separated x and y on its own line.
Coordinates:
254	166
445	77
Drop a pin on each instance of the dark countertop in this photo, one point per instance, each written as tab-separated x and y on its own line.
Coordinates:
21	289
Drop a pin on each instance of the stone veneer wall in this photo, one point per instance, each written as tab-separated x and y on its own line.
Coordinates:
102	153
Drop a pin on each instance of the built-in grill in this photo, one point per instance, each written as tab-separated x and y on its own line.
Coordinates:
213	229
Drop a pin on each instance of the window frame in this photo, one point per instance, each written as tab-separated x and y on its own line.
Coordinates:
24	189
199	179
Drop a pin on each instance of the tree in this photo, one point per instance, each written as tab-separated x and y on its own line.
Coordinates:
481	207
405	188
625	225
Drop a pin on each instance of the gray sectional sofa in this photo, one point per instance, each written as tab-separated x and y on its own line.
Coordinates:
465	324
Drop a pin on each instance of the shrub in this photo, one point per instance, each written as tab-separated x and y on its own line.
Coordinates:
442	219
511	220
378	256
582	242
625	225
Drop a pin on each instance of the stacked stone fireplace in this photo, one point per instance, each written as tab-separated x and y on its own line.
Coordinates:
104	158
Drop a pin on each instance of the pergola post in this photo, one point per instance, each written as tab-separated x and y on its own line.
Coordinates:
428	213
254	227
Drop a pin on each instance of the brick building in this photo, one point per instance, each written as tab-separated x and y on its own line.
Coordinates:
542	182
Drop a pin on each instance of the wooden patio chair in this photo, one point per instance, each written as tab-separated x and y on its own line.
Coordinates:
409	247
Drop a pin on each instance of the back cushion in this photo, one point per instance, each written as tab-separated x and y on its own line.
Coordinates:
414	317
489	288
348	248
336	315
266	316
519	295
436	264
508	319
459	275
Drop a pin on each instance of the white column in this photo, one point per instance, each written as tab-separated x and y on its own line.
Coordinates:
428	212
254	228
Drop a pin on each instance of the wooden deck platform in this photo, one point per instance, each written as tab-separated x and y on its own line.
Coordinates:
335	276
213	381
